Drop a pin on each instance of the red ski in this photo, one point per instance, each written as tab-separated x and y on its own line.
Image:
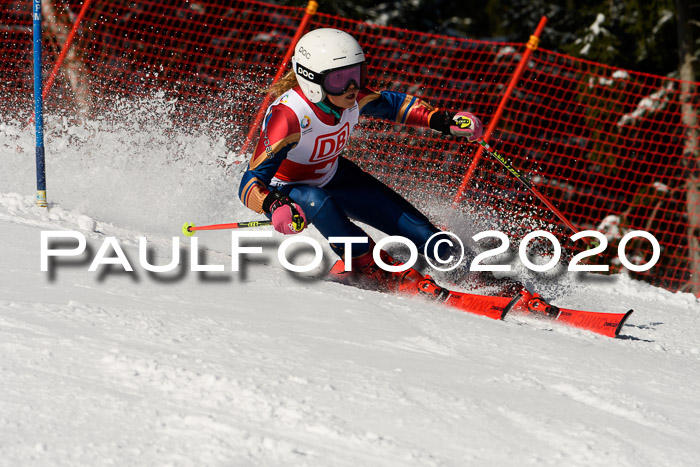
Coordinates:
484	305
412	283
607	324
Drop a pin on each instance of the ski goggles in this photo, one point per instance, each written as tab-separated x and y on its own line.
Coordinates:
336	82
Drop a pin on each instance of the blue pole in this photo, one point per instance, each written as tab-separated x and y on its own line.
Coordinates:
39	108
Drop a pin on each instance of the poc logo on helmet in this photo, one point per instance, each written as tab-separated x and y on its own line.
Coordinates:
305	73
304	52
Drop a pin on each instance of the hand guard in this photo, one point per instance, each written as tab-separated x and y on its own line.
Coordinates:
287	216
462	124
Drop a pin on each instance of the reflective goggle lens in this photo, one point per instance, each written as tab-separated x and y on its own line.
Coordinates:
337	82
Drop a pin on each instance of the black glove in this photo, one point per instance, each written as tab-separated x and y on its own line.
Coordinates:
462	124
441	121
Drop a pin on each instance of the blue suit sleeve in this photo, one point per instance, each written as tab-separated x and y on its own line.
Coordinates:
397	107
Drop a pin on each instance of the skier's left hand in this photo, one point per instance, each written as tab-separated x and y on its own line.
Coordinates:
462	124
466	125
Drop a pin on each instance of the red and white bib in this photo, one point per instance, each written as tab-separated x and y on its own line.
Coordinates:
314	160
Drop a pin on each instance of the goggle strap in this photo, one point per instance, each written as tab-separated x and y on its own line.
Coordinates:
316	78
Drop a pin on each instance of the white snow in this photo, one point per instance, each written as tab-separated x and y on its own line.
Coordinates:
666	15
593	31
655	102
263	367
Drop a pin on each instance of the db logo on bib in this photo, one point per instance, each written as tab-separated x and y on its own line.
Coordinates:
329	146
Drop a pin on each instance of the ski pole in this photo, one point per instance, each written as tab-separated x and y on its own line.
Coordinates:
188	229
516	173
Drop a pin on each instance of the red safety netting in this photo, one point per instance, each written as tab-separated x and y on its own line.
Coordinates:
596	140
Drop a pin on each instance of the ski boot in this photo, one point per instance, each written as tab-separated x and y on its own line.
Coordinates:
532	302
366	274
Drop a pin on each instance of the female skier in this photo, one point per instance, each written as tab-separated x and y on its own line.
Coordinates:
298	176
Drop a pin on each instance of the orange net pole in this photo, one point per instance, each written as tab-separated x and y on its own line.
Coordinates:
531	45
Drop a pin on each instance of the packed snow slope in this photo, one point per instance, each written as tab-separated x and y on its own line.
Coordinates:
267	367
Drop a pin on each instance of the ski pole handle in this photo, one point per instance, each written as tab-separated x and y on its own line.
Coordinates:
188	229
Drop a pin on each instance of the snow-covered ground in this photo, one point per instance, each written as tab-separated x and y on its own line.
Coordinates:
264	367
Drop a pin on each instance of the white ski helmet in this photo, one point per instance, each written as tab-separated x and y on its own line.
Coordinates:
326	61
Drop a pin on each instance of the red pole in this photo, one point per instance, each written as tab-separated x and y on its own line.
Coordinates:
310	11
531	45
66	47
64	52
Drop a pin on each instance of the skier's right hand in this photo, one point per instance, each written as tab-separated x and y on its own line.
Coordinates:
287	216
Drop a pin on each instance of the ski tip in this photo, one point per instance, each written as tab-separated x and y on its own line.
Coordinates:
186	229
622	322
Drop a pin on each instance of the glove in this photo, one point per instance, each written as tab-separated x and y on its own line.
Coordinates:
287	216
463	124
